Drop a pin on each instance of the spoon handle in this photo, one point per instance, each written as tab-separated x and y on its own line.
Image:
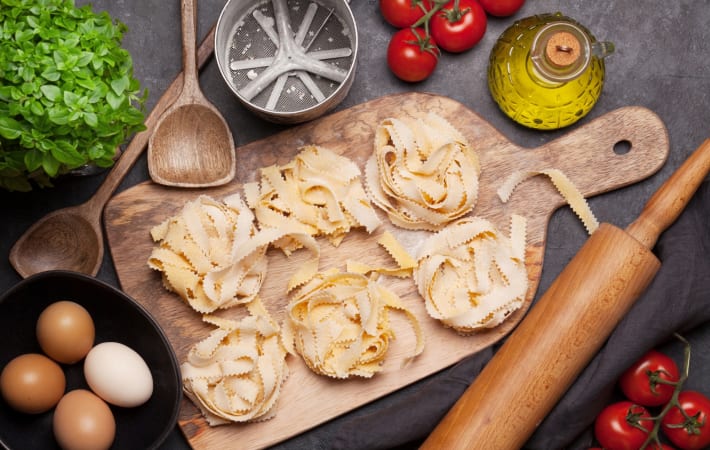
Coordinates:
189	29
139	142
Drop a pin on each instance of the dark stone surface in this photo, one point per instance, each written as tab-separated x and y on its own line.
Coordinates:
661	62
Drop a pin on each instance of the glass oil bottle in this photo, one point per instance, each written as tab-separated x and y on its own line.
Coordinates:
547	71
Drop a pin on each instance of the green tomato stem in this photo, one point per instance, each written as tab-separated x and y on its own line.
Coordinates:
685	371
424	20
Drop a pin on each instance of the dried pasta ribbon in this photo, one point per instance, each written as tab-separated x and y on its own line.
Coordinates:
471	276
405	262
236	373
338	322
423	173
213	257
564	186
318	192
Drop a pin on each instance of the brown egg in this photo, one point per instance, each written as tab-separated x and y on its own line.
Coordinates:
83	421
32	383
65	331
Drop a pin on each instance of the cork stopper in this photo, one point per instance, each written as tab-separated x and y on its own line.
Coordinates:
563	49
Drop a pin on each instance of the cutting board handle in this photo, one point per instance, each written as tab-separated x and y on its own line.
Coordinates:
621	144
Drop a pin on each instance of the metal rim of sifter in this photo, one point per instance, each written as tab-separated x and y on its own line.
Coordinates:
288	61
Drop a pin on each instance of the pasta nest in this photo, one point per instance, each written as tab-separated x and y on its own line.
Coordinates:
470	275
338	322
236	373
423	173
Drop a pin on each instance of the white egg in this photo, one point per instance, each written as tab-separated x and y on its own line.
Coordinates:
118	374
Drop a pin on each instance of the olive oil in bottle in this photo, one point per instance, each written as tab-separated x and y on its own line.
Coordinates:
547	71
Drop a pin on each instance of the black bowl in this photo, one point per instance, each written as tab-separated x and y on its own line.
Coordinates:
117	317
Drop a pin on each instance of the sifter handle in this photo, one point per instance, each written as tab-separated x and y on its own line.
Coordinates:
670	199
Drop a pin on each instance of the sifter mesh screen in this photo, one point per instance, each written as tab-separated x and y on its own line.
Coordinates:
293	72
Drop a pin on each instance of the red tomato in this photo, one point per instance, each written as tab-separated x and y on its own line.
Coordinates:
403	13
618	426
642	383
694	432
412	55
456	29
501	8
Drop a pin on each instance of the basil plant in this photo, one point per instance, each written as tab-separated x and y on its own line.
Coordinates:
68	97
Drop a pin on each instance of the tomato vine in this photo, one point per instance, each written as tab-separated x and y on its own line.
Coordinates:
451	25
684	415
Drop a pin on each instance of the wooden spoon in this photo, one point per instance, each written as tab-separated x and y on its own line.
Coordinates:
192	145
72	238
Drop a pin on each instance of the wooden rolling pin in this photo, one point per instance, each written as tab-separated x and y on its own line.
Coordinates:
567	325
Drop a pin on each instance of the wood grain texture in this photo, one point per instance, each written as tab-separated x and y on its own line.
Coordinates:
192	145
585	154
519	387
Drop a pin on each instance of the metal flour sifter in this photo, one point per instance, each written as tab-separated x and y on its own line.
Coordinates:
288	61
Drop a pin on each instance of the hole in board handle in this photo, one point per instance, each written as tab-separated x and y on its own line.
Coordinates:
622	147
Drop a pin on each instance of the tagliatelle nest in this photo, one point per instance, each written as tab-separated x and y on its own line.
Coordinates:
213	257
338	323
319	193
422	172
196	253
236	373
471	276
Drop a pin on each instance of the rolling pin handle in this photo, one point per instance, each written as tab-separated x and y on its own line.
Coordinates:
664	207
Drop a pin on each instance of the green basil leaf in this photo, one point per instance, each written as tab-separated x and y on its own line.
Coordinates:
51	91
114	100
5	93
71	99
59	115
133	116
23	35
32	22
50	165
120	85
91	119
67	154
37	108
33	160
45	145
96	151
84	59
51	74
28	88
88	84
15	93
10	128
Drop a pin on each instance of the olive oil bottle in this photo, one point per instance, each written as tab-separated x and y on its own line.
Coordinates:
547	71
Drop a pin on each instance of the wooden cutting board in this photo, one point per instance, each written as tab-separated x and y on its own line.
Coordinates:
586	155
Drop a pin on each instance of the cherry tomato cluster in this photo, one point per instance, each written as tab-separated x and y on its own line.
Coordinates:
655	381
429	26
